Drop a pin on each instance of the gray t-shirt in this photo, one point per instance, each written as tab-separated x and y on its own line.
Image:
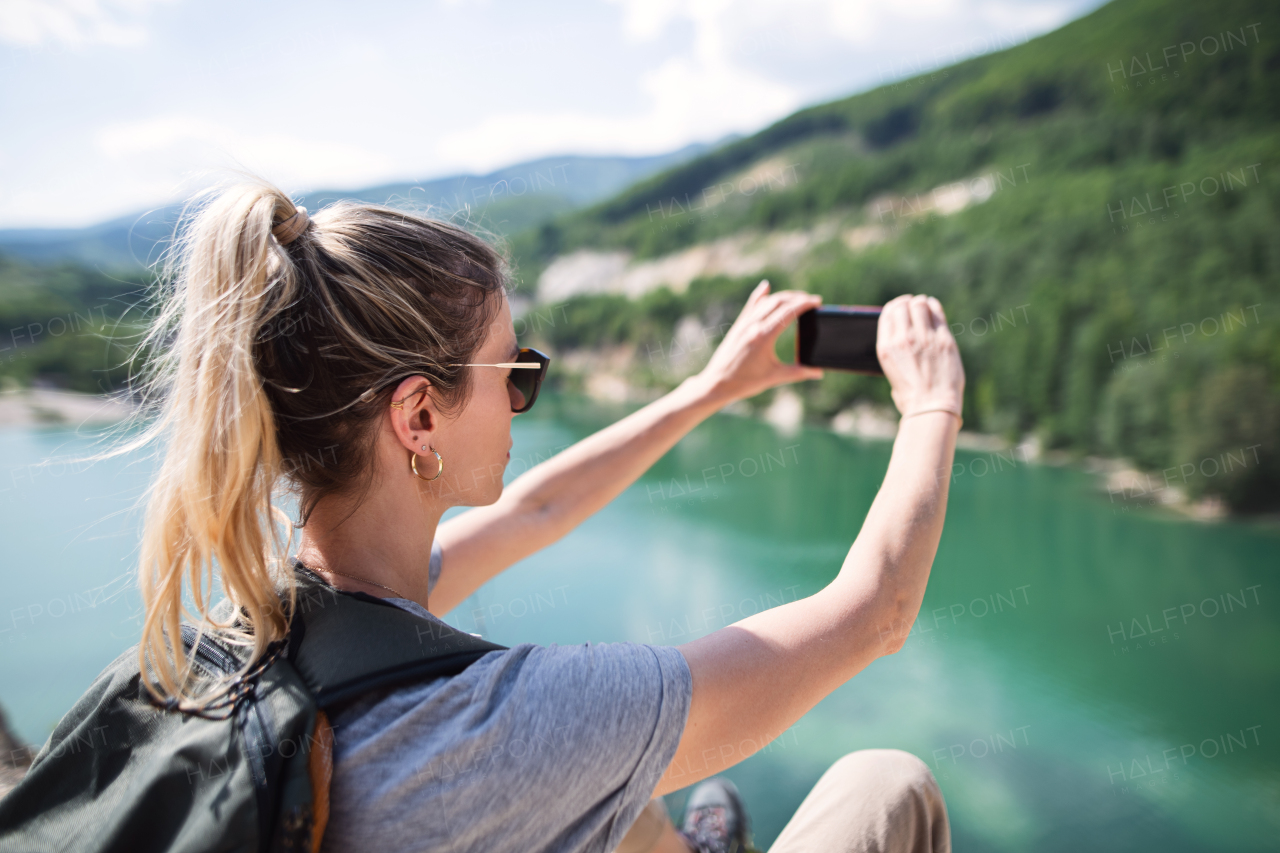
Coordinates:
553	748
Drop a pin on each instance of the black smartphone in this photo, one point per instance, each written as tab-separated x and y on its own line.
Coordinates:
842	337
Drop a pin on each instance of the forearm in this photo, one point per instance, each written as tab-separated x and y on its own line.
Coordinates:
891	558
577	482
549	500
799	653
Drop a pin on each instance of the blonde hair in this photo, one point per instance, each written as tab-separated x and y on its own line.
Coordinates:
273	363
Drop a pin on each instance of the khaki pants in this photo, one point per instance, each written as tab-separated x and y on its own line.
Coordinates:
872	801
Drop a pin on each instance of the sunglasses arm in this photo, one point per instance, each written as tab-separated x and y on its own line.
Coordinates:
512	364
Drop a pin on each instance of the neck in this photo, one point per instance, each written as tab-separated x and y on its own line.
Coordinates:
385	541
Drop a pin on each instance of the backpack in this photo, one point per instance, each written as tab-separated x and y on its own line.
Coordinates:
248	773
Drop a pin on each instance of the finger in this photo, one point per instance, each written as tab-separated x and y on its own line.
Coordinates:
936	306
789	298
944	327
902	313
753	305
786	310
776	303
771	302
898	308
799	372
934	320
890	320
804	293
786	295
921	316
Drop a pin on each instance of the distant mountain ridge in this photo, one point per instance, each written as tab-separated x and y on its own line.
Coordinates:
506	200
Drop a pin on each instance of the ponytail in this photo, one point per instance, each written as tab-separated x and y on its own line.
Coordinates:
210	505
273	359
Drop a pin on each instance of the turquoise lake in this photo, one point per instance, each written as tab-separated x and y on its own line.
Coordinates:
1084	674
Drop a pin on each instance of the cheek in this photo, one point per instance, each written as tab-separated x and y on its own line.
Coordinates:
498	428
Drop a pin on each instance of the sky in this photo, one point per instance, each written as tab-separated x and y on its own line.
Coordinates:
108	107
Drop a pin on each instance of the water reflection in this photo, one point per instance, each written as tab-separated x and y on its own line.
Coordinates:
1057	680
1079	678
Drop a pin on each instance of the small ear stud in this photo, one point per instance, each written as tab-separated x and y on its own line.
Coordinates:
424	447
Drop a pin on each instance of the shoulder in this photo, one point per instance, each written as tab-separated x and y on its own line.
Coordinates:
599	671
531	673
594	690
588	661
631	665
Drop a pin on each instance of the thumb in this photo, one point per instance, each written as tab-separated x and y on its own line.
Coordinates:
801	372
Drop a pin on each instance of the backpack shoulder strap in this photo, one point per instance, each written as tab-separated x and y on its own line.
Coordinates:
343	644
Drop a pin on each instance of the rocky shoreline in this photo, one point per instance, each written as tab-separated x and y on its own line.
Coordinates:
51	407
1125	484
15	757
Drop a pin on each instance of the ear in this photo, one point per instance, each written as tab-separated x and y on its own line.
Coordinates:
417	419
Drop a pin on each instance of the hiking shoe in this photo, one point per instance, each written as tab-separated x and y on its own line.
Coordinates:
714	819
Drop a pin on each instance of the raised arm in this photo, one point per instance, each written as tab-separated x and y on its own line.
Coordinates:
754	679
551	499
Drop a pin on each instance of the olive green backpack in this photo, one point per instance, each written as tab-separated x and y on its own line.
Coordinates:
251	773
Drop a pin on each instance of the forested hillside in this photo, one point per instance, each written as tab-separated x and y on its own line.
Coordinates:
68	325
1115	294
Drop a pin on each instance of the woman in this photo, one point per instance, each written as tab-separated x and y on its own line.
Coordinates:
364	358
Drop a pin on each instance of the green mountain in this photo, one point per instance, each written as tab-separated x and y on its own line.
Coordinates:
1112	275
504	201
73	300
60	325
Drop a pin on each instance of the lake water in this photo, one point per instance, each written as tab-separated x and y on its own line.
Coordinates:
1082	676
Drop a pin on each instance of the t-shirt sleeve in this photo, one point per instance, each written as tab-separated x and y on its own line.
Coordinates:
565	743
646	707
612	715
437	559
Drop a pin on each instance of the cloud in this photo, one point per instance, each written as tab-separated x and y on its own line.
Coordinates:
701	94
687	100
751	62
176	151
644	77
74	23
130	165
899	38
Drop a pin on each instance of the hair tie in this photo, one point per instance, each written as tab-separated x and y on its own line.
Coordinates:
286	232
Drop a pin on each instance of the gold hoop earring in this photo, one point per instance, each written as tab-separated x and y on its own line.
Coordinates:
413	466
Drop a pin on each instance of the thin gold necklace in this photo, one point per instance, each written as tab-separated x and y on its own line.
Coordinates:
352	577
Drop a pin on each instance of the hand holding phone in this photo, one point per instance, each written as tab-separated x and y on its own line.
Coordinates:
745	363
920	357
925	369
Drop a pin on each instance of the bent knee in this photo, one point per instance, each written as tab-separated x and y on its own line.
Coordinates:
885	769
891	795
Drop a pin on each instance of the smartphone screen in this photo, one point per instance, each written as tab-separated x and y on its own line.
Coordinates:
842	337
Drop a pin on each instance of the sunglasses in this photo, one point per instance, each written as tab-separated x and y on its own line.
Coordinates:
527	373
